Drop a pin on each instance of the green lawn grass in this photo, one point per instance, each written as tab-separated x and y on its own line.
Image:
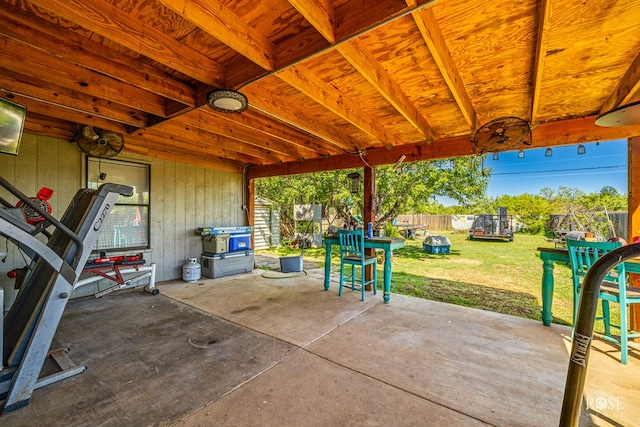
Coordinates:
503	277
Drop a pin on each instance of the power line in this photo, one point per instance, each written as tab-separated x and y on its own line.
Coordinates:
558	170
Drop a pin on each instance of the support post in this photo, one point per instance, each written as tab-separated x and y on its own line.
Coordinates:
633	173
249	202
368	213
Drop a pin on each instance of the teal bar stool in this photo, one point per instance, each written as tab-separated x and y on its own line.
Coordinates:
352	253
613	289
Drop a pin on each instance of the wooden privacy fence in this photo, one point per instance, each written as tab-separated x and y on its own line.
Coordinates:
432	222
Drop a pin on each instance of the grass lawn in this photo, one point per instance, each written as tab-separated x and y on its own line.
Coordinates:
503	277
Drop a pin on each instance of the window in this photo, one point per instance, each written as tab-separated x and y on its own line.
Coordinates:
127	227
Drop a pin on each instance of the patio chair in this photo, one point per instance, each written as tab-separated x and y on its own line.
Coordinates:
613	289
352	253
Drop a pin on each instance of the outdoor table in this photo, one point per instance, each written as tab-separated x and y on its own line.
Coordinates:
385	243
549	256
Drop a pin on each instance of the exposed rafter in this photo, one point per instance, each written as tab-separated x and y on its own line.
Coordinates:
324	78
275	106
120	27
75	49
67	100
339	103
627	87
366	64
44	67
320	14
544	23
545	135
428	25
217	20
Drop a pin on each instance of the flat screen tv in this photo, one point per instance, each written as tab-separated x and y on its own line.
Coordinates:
12	117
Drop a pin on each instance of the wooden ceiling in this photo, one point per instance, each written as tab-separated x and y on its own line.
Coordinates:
330	83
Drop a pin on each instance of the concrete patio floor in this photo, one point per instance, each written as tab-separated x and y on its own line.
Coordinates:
248	350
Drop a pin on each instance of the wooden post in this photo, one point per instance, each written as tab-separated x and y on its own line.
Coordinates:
633	173
248	204
368	215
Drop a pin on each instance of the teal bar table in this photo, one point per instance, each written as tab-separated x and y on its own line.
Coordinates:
549	256
385	243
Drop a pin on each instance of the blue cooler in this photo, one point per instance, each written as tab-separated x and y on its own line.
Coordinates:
239	242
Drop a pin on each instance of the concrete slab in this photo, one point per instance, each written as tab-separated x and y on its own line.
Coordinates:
249	350
307	390
149	360
499	369
294	309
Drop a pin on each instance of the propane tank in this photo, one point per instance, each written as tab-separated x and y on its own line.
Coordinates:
191	270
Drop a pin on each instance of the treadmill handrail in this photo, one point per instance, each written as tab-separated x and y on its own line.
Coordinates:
27	201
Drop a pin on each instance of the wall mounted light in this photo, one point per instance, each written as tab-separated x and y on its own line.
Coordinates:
227	101
581	149
548	152
496	156
521	154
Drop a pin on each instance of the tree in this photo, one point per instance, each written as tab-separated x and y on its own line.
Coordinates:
406	188
532	210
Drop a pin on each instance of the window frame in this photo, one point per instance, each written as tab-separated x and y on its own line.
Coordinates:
90	164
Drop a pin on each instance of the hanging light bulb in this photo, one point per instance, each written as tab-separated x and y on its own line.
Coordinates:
548	152
496	156
581	149
521	154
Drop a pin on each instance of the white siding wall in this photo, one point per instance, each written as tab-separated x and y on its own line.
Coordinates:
262	227
183	197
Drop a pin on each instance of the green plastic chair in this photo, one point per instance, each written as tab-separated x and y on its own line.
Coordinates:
613	289
352	253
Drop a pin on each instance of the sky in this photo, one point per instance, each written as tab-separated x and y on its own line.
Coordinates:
603	164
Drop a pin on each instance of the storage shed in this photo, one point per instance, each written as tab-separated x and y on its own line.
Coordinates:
266	231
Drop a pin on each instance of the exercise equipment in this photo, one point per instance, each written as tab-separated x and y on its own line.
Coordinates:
114	268
30	324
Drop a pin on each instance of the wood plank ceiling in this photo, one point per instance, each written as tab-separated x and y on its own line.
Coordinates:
329	82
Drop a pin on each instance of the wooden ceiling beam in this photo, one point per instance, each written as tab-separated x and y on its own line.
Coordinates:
252	120
310	43
202	161
197	129
47	126
354	17
122	28
168	140
68	99
73	48
55	112
564	132
626	88
46	68
320	14
428	25
187	129
356	54
544	24
215	19
338	102
274	105
205	120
